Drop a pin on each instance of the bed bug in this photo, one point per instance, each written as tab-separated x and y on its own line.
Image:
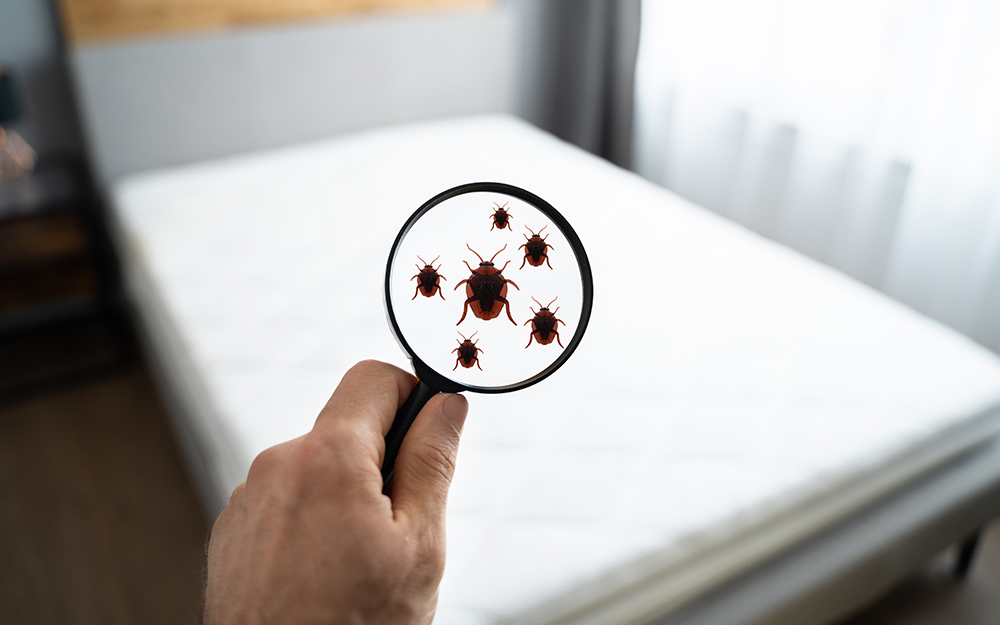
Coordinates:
544	326
428	280
535	250
468	353
486	289
501	218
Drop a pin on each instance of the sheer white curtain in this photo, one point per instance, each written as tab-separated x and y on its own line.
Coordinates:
865	133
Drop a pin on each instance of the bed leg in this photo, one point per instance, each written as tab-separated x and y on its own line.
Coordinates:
966	552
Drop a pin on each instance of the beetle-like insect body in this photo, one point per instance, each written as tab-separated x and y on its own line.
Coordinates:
501	218
486	289
428	279
544	326
468	353
536	250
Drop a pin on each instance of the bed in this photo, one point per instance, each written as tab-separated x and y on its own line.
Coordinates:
744	435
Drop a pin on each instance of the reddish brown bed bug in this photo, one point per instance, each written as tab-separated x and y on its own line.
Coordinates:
536	250
501	218
486	289
428	279
468	353
544	326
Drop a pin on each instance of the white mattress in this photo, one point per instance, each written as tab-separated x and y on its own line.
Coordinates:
731	397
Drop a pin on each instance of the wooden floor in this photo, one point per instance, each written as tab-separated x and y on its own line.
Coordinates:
99	522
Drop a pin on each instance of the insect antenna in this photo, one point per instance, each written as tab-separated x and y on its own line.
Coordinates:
540	231
477	253
495	255
473	336
424	261
433	261
549	305
538	302
463	336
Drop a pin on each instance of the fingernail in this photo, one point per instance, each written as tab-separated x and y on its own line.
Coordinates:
455	409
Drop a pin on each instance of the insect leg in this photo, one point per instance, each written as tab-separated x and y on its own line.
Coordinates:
530	336
558	339
523	261
507	304
465	309
546	256
415	293
441	293
512	282
477	364
456	363
459	284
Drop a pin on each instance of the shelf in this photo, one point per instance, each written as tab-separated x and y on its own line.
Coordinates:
45	189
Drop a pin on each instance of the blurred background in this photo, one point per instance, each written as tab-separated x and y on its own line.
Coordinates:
864	134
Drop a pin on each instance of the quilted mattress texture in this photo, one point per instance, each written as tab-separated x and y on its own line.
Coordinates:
731	396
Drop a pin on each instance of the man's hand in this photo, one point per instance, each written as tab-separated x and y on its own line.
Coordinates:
310	538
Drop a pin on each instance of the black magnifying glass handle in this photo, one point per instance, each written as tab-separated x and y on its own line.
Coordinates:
419	396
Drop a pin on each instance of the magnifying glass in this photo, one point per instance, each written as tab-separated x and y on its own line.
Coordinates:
487	289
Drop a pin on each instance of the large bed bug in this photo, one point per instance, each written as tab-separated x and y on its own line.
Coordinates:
468	353
544	326
536	250
501	218
428	280
486	289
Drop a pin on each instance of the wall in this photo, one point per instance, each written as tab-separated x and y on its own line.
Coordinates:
170	100
29	46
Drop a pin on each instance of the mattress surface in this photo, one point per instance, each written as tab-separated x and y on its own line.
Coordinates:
730	398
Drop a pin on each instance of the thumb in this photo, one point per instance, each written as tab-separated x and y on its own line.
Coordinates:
426	461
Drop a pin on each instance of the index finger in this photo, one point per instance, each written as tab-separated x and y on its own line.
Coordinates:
367	398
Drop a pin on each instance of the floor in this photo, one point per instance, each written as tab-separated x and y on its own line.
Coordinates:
933	597
99	522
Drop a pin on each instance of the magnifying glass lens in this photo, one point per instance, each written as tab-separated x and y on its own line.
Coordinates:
486	290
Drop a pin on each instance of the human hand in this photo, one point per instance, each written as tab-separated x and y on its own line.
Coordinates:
310	538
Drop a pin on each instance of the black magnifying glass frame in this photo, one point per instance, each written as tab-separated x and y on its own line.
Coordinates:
430	382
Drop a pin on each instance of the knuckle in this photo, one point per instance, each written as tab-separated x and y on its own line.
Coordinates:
237	492
369	368
263	465
326	462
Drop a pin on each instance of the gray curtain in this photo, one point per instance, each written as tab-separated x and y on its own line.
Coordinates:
578	68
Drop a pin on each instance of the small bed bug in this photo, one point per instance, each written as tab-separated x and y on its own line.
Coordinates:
544	326
486	289
501	218
428	280
536	250
468	353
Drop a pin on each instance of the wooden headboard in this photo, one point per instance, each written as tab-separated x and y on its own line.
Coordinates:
99	20
164	100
